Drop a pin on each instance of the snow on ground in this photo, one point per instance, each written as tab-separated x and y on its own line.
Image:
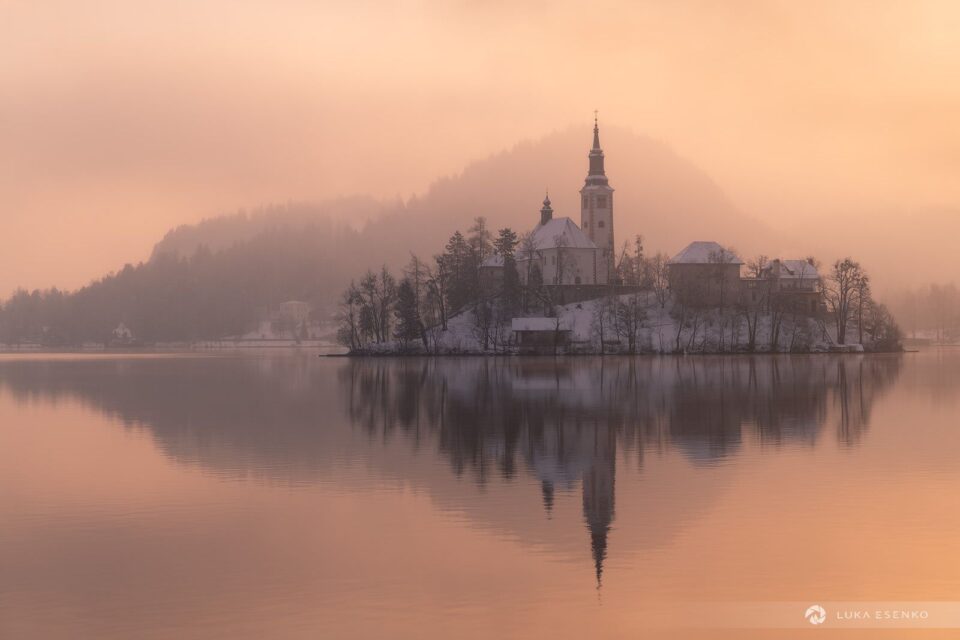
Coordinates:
706	331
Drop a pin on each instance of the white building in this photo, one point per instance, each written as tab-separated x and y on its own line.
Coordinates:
564	253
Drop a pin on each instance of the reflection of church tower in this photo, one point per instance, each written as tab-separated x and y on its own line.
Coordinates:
548	491
598	494
596	210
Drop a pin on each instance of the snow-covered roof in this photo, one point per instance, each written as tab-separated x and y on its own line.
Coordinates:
705	252
538	324
560	232
493	260
798	269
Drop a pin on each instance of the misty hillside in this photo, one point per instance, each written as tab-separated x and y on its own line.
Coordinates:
225	231
220	276
658	194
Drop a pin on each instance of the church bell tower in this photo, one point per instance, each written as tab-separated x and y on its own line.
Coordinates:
596	210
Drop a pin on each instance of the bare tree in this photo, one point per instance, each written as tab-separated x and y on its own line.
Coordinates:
687	311
880	325
630	318
480	239
419	274
483	321
604	314
863	301
348	318
658	273
385	295
841	290
438	284
757	266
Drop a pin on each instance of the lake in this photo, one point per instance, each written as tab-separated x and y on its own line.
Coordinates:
285	495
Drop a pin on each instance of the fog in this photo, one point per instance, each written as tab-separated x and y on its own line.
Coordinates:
835	122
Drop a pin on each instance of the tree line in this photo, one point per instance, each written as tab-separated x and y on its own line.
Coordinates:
931	310
205	295
380	308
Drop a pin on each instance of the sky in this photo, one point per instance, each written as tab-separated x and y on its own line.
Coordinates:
120	120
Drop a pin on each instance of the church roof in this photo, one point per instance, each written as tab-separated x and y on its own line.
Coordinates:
562	232
702	252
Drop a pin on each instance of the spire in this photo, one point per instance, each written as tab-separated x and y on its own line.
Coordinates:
596	132
596	175
546	212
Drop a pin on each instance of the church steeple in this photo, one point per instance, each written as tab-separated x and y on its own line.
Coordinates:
596	175
596	210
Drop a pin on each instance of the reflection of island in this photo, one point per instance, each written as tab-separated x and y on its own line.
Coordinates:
563	419
561	422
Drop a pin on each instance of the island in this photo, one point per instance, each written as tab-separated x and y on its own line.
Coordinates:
564	288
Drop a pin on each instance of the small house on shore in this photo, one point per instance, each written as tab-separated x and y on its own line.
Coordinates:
541	333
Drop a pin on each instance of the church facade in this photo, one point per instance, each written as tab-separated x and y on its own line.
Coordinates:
564	253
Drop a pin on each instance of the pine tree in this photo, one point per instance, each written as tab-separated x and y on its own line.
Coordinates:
463	262
408	318
505	245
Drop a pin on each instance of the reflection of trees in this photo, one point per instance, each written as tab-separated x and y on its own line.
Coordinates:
229	415
559	421
859	382
562	420
489	415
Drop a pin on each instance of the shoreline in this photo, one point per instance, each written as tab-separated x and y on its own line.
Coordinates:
580	354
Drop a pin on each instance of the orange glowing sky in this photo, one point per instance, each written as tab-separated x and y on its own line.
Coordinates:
121	119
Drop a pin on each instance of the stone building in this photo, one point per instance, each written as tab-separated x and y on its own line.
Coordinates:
705	274
792	285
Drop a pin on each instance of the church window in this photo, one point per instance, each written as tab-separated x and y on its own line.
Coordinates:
600	224
577	281
586	202
602	201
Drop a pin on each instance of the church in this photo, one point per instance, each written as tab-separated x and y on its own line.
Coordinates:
567	254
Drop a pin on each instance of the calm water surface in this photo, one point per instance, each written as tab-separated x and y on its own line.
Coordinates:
291	496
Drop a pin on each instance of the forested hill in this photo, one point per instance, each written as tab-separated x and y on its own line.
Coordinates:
218	277
658	194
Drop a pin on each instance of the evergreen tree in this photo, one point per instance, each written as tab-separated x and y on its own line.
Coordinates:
506	242
535	293
408	317
505	245
463	262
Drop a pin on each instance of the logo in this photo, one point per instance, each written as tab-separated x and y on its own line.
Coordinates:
815	614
